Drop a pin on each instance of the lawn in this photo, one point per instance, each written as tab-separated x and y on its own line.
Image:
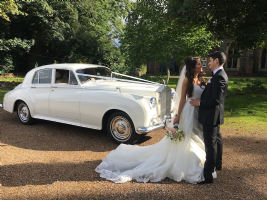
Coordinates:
245	111
2	94
17	79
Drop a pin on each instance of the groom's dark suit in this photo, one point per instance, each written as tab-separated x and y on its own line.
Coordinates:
211	113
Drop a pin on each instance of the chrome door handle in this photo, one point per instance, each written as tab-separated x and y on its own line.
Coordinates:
33	87
54	86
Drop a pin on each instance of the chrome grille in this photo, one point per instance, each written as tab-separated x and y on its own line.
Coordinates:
164	103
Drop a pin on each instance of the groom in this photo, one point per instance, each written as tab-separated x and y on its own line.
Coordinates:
211	112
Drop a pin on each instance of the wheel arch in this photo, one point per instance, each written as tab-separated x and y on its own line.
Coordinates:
16	104
109	113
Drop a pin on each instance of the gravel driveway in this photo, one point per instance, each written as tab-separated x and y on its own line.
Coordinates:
56	161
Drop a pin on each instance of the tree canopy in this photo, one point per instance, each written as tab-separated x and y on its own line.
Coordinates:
152	35
242	21
42	32
39	32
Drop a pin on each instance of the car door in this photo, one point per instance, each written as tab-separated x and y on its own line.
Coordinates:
40	92
64	102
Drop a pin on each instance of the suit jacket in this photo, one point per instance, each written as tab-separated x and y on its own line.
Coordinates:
211	109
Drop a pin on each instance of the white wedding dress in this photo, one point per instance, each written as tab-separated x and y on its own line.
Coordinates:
176	160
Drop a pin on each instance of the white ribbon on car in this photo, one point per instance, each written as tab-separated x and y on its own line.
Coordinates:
123	80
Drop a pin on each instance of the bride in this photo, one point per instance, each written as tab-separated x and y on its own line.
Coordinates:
181	160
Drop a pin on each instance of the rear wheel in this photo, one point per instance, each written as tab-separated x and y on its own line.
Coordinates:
121	129
23	113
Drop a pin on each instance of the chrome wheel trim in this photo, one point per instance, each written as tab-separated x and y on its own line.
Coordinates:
23	112
120	128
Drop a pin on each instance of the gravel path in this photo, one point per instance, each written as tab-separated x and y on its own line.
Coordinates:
57	161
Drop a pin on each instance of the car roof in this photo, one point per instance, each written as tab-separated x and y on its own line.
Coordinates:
72	66
69	66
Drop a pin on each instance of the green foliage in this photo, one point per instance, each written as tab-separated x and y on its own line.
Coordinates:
151	35
242	21
144	69
9	7
10	47
65	31
6	49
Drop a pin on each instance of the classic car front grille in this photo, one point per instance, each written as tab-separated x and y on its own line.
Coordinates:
164	104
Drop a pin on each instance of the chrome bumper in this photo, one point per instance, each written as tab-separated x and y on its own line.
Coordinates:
144	130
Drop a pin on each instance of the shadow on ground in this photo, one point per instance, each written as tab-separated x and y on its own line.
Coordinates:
52	136
44	174
231	184
251	144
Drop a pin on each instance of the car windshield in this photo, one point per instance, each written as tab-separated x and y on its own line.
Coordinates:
98	71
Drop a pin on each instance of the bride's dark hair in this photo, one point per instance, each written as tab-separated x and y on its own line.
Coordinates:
190	63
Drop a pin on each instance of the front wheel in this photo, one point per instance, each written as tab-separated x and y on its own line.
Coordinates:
120	129
24	114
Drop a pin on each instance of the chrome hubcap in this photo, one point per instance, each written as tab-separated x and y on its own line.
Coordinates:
23	112
120	128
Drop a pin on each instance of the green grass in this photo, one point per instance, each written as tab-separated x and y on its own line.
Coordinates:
246	113
2	94
17	79
233	82
241	83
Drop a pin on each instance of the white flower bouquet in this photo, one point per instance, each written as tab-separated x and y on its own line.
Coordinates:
175	133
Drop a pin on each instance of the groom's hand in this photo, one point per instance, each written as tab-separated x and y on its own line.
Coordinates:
195	102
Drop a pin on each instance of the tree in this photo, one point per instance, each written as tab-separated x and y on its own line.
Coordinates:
100	23
152	35
10	44
65	31
242	21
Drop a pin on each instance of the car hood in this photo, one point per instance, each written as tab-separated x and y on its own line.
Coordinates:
125	87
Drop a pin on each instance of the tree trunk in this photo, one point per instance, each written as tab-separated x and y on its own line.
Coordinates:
168	72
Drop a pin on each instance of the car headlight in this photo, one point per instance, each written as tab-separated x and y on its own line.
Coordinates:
153	102
173	95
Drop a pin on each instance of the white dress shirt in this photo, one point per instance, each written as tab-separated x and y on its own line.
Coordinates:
214	72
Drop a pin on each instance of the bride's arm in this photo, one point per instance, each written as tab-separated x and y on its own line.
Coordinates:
182	101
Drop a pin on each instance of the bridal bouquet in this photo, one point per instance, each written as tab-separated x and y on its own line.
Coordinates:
175	133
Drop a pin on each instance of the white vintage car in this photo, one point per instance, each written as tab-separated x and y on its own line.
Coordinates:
90	96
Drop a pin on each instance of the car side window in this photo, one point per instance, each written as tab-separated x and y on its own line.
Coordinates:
45	76
73	80
62	76
36	78
65	77
42	77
